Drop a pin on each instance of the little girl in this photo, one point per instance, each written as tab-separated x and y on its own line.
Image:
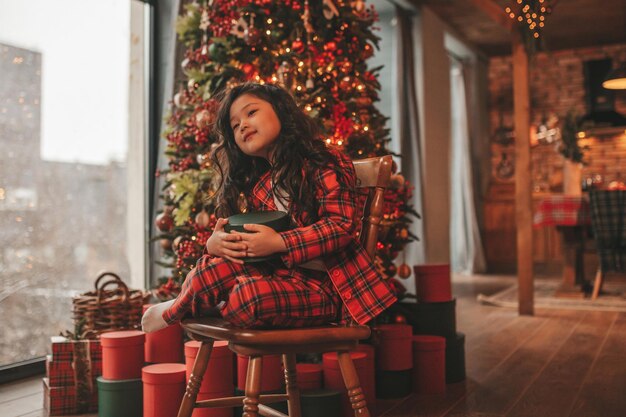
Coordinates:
271	153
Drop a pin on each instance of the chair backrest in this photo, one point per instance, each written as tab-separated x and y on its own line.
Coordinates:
374	174
608	220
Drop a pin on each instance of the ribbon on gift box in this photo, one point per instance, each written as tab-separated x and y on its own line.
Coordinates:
83	380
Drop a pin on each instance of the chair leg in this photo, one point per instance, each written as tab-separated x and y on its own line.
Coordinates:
195	379
351	379
253	387
597	284
291	384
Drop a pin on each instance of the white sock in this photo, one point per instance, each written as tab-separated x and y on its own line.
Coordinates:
152	319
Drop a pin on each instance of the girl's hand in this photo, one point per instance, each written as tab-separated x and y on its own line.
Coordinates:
226	245
261	240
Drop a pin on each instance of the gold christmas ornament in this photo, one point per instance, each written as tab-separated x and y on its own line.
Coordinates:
397	181
176	243
203	119
202	219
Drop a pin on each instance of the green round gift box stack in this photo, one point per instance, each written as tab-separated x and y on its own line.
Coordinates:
120	398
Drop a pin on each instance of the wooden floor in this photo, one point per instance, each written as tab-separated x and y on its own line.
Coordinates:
555	363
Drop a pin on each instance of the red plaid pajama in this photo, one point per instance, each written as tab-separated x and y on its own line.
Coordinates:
283	294
256	295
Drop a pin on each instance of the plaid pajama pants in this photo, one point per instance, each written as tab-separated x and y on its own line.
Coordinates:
256	294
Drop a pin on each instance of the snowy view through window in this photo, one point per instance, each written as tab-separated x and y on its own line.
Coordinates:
63	140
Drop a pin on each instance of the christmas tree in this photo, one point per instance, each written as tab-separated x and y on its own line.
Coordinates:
317	49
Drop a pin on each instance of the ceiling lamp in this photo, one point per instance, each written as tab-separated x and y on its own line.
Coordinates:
616	79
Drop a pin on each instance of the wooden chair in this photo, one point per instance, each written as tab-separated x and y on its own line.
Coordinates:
373	173
608	221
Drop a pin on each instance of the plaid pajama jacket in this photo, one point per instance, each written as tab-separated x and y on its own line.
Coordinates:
282	294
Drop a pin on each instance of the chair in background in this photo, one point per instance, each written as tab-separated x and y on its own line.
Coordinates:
372	173
608	220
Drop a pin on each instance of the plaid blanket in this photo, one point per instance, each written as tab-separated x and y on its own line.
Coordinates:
608	220
562	210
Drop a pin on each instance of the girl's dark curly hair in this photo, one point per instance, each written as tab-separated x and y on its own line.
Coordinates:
297	154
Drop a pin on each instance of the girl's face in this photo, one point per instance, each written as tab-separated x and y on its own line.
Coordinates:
255	125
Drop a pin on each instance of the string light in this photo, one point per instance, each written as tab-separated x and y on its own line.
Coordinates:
532	12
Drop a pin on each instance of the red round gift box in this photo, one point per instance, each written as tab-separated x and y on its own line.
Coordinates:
309	376
272	376
429	370
219	372
394	351
369	371
165	345
333	378
433	283
122	354
163	389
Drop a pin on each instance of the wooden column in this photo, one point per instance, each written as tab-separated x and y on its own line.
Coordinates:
523	193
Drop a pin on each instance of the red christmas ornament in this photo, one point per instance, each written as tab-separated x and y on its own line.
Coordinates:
345	84
330	46
368	51
404	271
363	101
297	45
165	243
249	70
399	319
164	222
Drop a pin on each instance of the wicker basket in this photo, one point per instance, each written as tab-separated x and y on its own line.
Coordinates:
112	306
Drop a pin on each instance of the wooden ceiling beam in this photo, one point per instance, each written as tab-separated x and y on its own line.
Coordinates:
495	12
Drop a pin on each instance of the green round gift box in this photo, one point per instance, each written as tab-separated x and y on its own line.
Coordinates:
123	398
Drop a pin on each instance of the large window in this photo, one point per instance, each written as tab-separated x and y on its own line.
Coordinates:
65	79
386	57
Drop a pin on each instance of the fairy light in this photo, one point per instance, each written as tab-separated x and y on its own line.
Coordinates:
532	13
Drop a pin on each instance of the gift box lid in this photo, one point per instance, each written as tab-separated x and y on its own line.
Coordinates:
119	385
437	269
277	220
308	371
329	359
428	342
220	349
164	373
123	338
394	331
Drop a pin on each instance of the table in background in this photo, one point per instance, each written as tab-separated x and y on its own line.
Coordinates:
570	214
